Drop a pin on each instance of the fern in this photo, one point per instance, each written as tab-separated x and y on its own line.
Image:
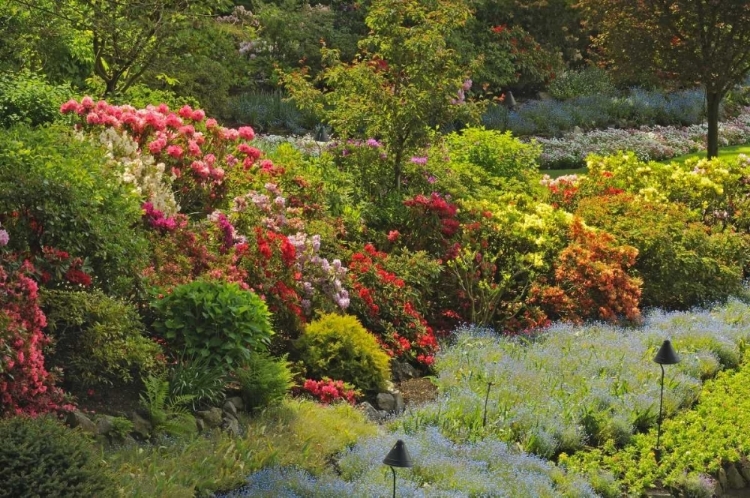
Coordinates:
167	413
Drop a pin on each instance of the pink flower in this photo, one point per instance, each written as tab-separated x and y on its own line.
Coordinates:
175	151
193	148
157	145
188	130
230	134
211	123
198	115
69	106
210	159
186	111
246	132
93	119
393	235
87	102
217	173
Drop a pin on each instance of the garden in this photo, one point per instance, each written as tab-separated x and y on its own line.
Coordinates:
363	267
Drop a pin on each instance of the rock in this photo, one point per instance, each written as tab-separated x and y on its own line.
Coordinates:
745	469
401	371
371	412
141	427
76	418
200	424
231	426
212	417
723	479
128	441
734	478
385	401
237	402
230	409
104	425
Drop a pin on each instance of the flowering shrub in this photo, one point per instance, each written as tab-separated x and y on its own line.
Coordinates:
329	391
197	151
385	306
25	385
591	279
431	224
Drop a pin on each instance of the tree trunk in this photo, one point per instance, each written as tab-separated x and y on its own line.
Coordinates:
713	99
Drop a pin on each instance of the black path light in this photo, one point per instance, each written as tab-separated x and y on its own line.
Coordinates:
397	457
665	356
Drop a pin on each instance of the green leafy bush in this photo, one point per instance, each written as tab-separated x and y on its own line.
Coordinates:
214	320
588	81
339	347
56	192
681	262
196	378
27	98
264	380
41	457
98	339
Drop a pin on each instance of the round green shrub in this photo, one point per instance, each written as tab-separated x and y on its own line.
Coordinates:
40	457
215	321
339	347
26	97
98	339
264	380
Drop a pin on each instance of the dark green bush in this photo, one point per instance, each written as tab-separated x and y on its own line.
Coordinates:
98	339
27	98
40	457
339	347
215	321
56	191
264	380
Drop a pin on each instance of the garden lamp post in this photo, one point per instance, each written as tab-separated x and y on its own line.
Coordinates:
665	356
397	457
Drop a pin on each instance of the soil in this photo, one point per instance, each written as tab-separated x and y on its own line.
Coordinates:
417	391
109	400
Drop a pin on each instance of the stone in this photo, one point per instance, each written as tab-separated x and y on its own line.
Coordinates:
141	427
723	479
734	478
386	402
237	402
231	426
401	370
371	412
212	417
230	409
745	469
76	418
104	425
200	424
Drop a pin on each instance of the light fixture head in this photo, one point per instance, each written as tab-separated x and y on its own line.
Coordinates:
398	456
666	354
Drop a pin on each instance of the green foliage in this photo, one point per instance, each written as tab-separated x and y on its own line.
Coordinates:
98	339
167	413
487	158
198	379
301	433
402	84
589	81
56	191
337	346
695	442
681	262
264	380
41	457
27	98
213	320
121	427
268	112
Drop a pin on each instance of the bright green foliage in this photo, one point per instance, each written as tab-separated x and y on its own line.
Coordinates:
98	339
487	158
695	442
166	413
401	84
681	261
213	320
264	380
337	346
196	378
41	457
27	98
63	196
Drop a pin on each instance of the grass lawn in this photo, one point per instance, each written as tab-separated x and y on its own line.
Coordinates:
727	153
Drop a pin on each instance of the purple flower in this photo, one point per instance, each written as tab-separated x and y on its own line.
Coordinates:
4	238
419	160
431	179
371	142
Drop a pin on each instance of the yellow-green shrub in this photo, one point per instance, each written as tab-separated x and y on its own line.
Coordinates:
339	347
